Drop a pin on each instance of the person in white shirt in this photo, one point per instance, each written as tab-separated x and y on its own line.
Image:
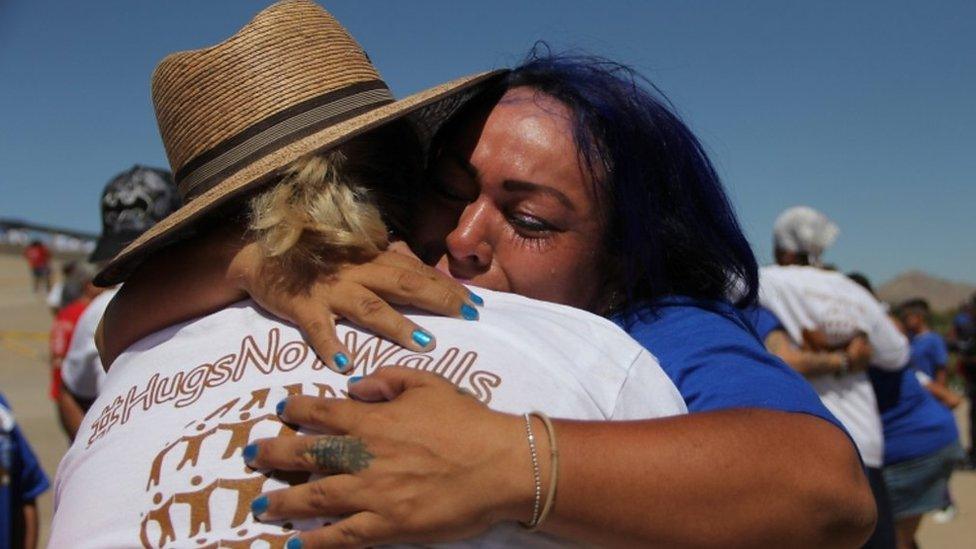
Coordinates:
160	459
830	315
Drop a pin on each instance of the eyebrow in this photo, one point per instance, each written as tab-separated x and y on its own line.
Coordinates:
514	185
511	185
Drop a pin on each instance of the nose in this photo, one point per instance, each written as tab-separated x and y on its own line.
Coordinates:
468	248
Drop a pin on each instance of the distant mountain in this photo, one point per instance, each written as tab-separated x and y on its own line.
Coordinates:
941	294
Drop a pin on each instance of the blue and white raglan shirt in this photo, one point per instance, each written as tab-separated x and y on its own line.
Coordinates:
21	476
715	357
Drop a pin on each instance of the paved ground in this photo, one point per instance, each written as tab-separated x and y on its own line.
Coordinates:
24	322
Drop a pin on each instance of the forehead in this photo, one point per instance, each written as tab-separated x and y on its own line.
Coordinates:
526	135
531	119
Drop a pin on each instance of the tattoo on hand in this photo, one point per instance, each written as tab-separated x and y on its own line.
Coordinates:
338	454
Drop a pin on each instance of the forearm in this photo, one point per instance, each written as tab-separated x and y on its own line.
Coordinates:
807	363
724	479
943	394
70	412
30	525
205	284
891	349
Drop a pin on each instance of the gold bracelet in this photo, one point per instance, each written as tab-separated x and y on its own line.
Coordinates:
553	469
536	475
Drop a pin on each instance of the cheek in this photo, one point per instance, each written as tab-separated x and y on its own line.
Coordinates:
431	225
566	272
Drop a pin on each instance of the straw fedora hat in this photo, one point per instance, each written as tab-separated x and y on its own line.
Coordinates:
293	81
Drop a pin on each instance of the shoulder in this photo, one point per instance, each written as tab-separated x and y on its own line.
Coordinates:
686	334
684	324
234	321
934	341
718	362
558	325
92	314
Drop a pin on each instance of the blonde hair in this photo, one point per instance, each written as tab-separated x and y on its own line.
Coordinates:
323	211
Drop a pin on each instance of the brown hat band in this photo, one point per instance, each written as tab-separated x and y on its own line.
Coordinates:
278	130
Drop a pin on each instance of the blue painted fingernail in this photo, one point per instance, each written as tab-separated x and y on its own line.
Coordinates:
469	312
341	361
355	379
294	543
280	408
250	452
475	298
259	505
421	337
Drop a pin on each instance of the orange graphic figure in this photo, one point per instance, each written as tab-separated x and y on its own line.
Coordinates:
325	390
287	431
157	465
222	411
193	444
240	433
274	541
199	503
247	489
258	397
162	517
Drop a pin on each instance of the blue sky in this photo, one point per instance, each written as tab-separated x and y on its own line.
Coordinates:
862	109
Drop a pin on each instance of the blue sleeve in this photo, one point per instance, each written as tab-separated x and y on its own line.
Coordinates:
28	479
32	482
763	321
939	352
717	362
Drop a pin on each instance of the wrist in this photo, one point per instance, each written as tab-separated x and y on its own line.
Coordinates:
518	497
843	363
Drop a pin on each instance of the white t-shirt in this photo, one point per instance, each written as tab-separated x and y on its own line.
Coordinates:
163	442
54	296
82	370
812	298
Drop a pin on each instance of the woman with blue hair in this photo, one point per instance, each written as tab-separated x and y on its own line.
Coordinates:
571	182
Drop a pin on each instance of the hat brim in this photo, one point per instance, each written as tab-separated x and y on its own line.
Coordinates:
109	245
262	170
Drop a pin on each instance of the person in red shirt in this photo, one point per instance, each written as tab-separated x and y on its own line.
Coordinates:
39	260
62	330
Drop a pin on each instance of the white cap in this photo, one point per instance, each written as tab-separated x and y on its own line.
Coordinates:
802	229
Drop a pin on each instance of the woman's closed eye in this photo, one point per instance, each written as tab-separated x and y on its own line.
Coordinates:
449	191
530	225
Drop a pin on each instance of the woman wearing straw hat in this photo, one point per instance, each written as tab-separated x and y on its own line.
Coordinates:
661	256
175	416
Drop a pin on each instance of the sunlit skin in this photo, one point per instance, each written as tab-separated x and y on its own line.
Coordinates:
519	213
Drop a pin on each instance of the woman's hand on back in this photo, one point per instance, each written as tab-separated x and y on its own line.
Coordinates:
364	294
395	475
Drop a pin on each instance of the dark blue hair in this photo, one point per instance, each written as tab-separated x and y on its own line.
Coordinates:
671	229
